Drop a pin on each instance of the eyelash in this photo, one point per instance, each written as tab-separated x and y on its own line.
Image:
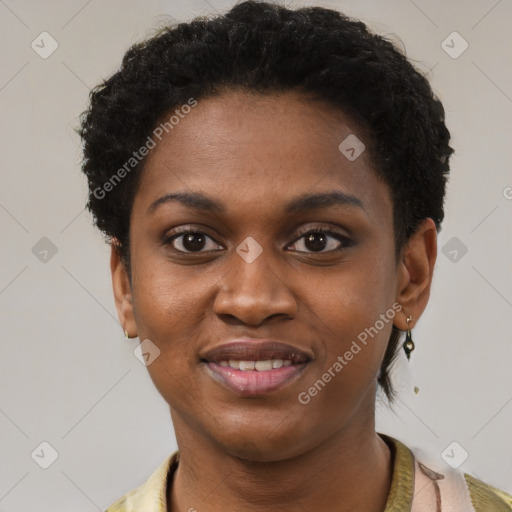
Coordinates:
344	240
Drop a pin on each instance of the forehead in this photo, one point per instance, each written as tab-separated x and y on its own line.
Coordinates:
261	150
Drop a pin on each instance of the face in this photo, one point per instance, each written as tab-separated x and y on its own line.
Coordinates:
276	235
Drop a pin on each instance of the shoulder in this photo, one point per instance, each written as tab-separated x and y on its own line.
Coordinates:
118	506
483	495
420	480
151	495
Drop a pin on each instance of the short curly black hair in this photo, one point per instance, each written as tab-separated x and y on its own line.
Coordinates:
263	47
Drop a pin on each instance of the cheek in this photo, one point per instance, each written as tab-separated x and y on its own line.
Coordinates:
352	299
170	305
353	314
354	336
164	293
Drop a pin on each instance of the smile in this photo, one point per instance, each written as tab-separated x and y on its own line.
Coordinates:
255	367
260	366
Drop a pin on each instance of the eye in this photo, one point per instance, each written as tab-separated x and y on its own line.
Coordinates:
316	240
320	240
188	241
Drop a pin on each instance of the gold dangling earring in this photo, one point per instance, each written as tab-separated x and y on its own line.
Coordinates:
126	335
408	348
408	343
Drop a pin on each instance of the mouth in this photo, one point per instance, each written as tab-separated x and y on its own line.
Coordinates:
255	367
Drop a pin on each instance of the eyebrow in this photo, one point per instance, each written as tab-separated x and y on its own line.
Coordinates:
192	200
302	203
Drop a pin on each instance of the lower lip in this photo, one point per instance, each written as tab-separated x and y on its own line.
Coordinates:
253	382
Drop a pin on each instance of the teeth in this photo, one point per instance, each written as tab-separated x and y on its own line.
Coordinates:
247	365
260	366
263	366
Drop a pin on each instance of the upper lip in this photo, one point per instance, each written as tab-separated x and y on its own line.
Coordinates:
248	349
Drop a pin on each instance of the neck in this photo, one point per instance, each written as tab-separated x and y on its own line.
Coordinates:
350	471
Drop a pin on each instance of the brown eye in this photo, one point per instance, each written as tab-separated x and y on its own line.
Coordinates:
320	240
316	241
192	241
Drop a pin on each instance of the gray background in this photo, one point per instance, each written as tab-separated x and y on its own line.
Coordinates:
68	376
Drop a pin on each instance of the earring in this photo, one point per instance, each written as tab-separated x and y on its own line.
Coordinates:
408	343
126	335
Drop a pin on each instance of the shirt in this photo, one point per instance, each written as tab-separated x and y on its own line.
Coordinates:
417	485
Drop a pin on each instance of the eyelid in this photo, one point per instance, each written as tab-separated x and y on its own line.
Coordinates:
168	238
326	228
343	239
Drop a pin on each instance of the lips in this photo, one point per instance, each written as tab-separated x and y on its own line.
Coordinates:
255	367
256	350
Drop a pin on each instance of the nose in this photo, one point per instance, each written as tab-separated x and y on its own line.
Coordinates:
254	292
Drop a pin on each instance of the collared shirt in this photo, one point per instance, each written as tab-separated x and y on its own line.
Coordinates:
417	485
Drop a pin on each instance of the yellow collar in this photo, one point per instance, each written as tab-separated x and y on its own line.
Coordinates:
151	496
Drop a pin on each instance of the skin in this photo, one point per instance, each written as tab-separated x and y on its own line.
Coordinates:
254	154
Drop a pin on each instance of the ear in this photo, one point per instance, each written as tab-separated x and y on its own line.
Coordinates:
122	290
415	271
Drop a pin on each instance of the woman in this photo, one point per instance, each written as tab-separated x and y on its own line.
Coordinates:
272	182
